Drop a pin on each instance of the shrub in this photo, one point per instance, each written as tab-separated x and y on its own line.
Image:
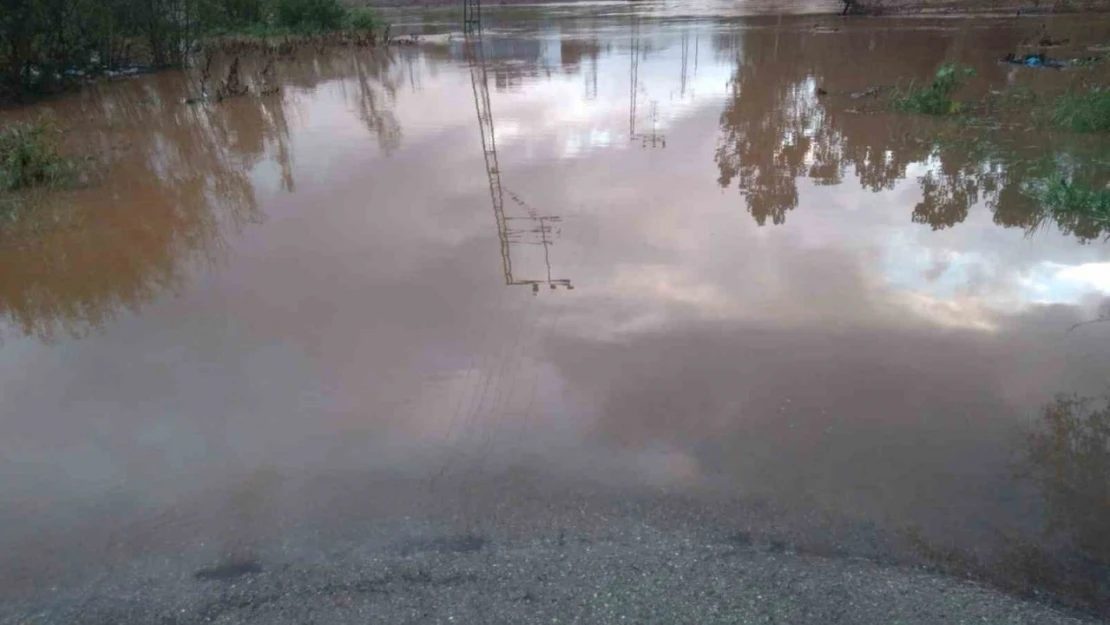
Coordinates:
310	15
362	19
1086	112
936	99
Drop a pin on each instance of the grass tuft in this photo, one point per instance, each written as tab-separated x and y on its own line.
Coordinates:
29	156
1067	201
1085	112
935	99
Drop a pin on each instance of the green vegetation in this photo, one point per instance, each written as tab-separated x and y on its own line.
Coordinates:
309	15
935	99
1087	112
29	156
361	18
30	159
47	44
1067	200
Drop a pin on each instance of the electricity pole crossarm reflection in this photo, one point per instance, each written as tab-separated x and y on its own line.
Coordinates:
540	232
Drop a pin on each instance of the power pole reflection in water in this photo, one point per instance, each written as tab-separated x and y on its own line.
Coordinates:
472	16
685	63
540	230
653	138
684	73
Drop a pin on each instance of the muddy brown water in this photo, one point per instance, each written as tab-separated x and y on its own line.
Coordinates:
627	251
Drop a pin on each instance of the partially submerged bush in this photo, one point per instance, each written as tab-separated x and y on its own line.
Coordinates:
1086	112
310	15
29	156
936	99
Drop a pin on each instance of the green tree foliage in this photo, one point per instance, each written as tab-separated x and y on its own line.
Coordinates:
362	19
310	15
44	43
47	43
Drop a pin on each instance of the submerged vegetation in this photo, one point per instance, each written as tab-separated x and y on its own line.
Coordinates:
1078	112
1064	183
1086	112
936	98
46	44
30	157
1068	201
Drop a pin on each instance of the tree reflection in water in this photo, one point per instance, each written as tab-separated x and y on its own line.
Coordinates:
176	178
176	182
1068	455
775	130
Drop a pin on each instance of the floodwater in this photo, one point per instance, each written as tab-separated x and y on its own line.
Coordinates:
598	250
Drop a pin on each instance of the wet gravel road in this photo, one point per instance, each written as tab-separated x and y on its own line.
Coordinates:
634	574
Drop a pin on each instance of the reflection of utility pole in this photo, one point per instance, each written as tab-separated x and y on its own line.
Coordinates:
778	29
472	16
654	138
633	76
685	58
479	83
544	231
696	39
591	78
506	236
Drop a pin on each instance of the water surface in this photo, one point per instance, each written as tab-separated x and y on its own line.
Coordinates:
625	251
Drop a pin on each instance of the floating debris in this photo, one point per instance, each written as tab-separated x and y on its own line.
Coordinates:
1038	60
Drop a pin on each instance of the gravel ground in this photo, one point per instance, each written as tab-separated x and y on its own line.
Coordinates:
634	574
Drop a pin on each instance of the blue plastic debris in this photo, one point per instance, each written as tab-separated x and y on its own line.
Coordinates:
1033	60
